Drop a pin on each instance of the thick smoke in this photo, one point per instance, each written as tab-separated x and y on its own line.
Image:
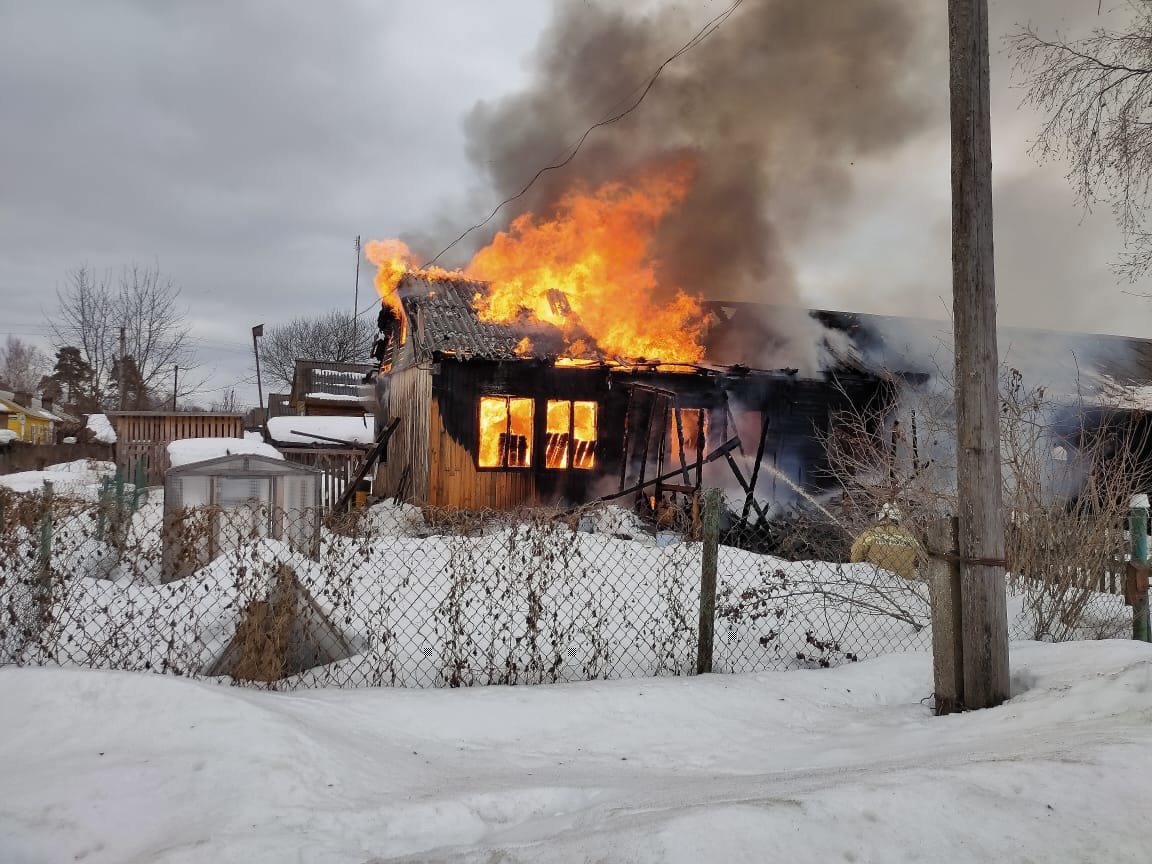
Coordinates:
776	106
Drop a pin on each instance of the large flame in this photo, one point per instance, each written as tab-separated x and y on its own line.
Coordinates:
588	271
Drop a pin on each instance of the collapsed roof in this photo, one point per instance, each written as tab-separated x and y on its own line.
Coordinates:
444	320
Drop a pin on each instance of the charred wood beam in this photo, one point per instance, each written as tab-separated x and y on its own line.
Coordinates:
352	445
366	466
750	498
720	452
647	440
700	448
679	418
748	489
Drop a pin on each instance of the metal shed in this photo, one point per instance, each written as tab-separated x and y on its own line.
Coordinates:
214	506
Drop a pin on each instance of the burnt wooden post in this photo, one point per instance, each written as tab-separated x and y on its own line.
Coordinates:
981	505
710	535
751	496
678	417
700	448
947	630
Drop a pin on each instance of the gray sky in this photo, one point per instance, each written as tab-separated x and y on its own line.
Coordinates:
243	145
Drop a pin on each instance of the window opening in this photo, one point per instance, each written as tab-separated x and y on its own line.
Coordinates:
505	432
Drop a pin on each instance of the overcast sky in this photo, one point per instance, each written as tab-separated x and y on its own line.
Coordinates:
243	145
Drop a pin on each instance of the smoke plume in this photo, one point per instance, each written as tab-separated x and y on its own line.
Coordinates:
776	106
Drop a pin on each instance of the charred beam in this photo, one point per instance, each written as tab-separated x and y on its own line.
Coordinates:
721	451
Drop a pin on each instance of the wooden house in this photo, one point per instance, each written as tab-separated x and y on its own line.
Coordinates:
482	423
324	388
28	417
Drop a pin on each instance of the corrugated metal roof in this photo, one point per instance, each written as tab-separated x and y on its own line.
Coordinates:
444	320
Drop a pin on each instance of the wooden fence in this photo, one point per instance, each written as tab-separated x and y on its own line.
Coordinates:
142	437
338	466
21	456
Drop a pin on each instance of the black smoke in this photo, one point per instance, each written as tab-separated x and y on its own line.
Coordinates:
777	107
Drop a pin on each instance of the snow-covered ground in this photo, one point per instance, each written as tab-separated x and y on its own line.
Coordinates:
807	766
80	479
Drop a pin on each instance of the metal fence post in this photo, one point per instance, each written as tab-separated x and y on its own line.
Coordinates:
1138	574
710	535
947	630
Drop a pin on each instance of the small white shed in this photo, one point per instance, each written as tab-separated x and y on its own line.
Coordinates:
213	506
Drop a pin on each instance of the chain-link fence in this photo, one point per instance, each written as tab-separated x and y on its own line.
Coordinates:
398	596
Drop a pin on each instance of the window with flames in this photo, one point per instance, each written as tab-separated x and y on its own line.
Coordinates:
506	432
507	429
571	435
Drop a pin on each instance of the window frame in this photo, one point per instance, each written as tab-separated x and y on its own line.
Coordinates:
508	399
571	452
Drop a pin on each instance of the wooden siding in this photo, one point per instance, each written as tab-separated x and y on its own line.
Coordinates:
456	481
408	395
143	438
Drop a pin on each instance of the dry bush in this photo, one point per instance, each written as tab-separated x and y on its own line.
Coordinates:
1065	516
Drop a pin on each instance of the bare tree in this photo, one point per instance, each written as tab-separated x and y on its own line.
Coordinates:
336	337
22	365
142	301
1097	94
1069	471
229	403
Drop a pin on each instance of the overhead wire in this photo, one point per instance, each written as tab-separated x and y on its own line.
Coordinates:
645	88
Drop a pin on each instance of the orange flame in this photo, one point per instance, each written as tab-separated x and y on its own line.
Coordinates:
393	259
589	271
505	432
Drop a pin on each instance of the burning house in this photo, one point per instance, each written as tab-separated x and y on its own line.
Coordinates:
497	414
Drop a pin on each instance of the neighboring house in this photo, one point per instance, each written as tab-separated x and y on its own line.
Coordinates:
321	388
29	417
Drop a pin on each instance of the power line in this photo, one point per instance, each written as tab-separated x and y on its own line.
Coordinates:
707	30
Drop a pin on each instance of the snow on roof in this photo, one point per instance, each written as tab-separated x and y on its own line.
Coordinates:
15	407
336	397
360	430
188	450
101	428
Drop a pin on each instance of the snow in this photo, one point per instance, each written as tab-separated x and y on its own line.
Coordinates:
825	765
360	430
188	450
7	436
101	428
335	397
79	479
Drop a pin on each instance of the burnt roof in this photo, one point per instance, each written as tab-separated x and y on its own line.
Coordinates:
444	320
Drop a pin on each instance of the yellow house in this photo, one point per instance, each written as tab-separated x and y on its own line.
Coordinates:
28	418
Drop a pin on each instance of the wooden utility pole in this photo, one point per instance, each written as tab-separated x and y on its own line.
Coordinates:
175	384
984	616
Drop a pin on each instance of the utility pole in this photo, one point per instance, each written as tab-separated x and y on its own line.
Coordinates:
356	299
257	332
123	367
984	618
175	384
